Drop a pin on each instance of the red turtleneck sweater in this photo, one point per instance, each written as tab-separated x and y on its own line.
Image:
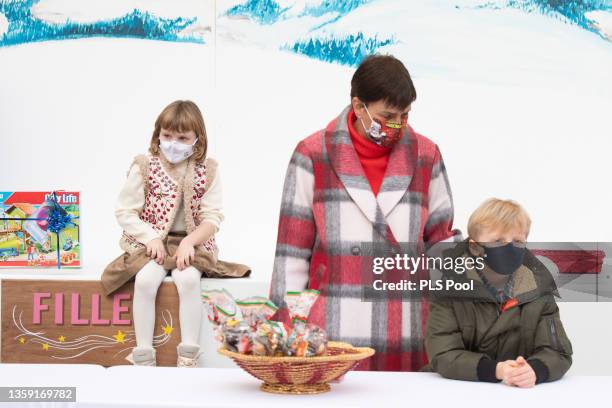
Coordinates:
373	158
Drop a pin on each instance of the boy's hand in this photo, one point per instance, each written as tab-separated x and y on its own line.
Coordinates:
156	250
522	375
185	254
503	369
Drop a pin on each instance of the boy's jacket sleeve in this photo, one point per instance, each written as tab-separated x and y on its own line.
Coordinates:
552	347
551	357
445	347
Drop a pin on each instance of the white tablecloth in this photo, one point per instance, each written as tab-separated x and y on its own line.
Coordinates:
127	386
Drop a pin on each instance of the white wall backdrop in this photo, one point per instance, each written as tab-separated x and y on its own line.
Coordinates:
517	97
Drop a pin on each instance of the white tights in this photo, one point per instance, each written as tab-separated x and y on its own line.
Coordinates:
147	283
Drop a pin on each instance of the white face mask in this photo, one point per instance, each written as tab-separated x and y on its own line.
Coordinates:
175	151
374	131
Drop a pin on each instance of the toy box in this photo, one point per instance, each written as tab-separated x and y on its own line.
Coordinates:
39	229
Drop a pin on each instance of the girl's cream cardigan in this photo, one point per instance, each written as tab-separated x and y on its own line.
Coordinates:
131	201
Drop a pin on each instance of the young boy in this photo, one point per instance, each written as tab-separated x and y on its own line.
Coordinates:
508	327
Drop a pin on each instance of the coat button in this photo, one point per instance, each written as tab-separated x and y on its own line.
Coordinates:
355	250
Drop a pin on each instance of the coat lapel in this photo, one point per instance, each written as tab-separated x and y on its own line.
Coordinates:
343	159
399	172
345	162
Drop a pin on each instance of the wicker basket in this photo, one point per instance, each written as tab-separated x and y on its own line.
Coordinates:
301	375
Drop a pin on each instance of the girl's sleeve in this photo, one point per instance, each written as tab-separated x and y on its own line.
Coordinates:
296	229
129	205
211	204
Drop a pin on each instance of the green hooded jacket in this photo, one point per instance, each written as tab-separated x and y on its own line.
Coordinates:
467	333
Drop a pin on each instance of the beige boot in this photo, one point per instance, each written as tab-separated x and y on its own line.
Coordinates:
187	355
142	356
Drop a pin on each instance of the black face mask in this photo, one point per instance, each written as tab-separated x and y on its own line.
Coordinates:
504	259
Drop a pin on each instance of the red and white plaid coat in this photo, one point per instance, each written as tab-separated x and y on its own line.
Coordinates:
329	211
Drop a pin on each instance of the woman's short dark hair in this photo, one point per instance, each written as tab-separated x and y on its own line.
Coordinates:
383	77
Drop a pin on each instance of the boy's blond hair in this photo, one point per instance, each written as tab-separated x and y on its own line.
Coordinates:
496	214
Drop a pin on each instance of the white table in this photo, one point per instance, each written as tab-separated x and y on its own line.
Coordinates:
86	377
127	386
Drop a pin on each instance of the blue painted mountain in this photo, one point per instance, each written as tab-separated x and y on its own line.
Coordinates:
334	8
269	11
261	11
570	11
341	7
347	50
23	27
324	42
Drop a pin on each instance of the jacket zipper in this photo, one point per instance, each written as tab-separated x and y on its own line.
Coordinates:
553	334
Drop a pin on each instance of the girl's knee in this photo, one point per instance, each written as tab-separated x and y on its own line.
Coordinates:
187	280
145	287
148	280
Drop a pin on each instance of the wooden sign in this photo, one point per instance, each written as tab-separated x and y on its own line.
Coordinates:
72	321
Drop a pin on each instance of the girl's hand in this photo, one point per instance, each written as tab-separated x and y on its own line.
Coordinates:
156	250
185	254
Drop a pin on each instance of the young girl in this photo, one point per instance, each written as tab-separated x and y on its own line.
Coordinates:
170	209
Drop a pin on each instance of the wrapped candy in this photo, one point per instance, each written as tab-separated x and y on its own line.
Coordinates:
305	340
256	310
237	336
300	303
269	338
221	307
254	333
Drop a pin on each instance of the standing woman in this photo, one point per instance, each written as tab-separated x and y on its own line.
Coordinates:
367	178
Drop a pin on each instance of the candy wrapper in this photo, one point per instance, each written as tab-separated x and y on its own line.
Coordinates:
269	338
305	340
253	333
221	307
256	310
300	303
237	336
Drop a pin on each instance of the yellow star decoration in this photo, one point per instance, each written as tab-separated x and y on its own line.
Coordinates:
45	346
119	337
61	339
22	340
168	329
